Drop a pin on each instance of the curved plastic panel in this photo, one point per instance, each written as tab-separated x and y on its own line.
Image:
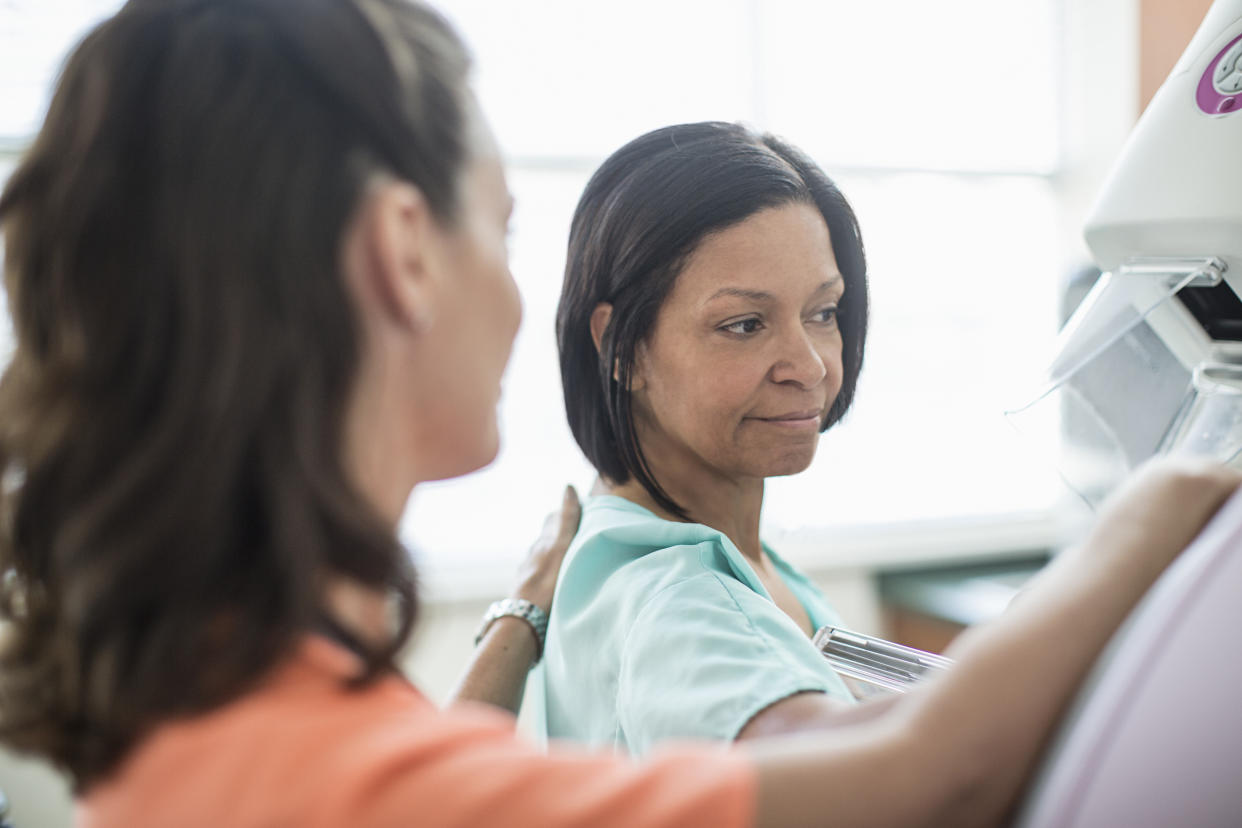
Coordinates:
1155	736
1114	390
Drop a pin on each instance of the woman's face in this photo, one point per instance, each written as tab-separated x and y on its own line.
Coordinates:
466	347
744	359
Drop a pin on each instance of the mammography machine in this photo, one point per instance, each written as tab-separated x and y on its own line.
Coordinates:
1152	362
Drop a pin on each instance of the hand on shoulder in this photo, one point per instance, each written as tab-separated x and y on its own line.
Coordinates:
536	577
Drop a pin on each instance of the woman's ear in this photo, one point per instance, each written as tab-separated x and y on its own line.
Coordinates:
600	318
399	236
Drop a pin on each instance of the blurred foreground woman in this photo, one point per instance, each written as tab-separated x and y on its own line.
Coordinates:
256	265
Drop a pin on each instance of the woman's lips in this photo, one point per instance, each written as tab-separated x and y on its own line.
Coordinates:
794	419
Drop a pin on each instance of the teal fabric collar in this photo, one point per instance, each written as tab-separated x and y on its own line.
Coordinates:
806	593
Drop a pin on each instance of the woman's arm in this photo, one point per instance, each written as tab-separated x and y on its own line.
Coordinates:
497	671
812	711
957	750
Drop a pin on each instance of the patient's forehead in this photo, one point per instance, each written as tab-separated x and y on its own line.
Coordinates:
783	250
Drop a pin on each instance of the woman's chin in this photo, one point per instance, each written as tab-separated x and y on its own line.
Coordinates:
788	463
459	459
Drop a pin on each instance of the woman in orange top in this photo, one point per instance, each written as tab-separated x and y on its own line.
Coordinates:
256	265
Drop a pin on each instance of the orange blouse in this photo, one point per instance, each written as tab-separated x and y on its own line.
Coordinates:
304	750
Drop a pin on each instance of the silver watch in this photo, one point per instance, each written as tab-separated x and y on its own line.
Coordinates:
532	614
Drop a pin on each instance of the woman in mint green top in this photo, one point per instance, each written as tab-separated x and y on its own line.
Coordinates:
711	326
701	651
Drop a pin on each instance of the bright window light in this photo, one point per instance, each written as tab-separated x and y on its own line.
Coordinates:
944	137
939	122
35	36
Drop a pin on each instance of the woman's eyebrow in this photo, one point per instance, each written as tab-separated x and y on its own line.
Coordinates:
829	283
764	296
742	293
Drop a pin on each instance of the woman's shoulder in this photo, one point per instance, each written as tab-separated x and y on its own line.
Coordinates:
624	555
302	749
618	539
626	519
305	726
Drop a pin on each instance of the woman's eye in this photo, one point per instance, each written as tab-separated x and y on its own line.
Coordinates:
826	315
743	326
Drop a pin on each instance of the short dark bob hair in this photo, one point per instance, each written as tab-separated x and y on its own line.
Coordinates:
641	217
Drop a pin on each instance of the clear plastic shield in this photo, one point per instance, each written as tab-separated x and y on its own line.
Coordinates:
1115	394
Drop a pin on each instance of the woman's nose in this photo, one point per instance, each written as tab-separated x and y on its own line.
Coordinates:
799	360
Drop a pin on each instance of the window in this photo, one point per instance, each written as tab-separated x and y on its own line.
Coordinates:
944	136
35	36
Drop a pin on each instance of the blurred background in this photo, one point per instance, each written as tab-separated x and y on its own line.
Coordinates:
970	136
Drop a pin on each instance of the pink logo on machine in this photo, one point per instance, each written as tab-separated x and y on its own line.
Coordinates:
1220	88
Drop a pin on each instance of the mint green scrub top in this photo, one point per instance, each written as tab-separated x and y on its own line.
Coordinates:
662	631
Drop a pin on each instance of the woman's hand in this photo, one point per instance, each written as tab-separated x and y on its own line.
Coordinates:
1158	512
536	576
497	672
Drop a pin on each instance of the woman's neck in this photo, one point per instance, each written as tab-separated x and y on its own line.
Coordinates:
729	507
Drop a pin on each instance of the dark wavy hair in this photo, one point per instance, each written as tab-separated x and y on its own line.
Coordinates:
171	424
642	215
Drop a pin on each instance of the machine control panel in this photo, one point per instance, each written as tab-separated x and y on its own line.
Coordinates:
1227	79
1220	89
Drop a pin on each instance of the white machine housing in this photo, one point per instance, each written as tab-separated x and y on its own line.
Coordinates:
1176	189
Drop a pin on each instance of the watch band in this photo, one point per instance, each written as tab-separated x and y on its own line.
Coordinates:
532	614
